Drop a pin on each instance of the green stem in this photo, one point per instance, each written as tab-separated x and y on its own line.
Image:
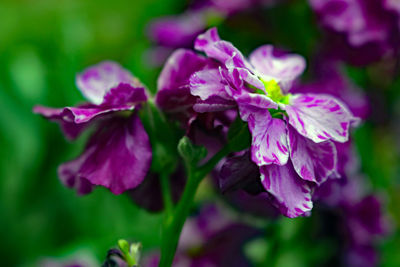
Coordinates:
166	193
173	224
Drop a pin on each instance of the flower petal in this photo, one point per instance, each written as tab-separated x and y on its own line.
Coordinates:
96	81
257	101
74	120
281	67
207	83
237	172
211	44
117	156
269	136
173	83
177	31
63	116
124	95
213	104
313	162
320	117
291	193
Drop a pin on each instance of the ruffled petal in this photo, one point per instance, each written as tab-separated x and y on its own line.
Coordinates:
124	97
207	83
173	83
292	194
117	156
96	81
177	31
271	64
320	117
269	136
211	44
63	116
74	120
239	67
313	162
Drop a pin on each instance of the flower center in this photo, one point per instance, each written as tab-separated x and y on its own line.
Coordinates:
274	92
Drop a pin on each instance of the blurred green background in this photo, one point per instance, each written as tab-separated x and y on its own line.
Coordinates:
44	43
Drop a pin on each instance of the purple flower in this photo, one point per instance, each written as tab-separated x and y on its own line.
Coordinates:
177	31
299	127
118	154
239	181
175	99
331	80
361	30
180	31
360	214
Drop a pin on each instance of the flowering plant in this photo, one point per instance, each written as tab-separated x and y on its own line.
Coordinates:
271	133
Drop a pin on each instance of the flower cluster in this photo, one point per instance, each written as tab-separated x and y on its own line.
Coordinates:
370	28
292	134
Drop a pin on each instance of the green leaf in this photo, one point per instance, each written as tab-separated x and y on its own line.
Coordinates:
239	135
189	152
123	246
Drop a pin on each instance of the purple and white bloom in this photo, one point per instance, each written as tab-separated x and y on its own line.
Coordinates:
330	79
118	154
292	134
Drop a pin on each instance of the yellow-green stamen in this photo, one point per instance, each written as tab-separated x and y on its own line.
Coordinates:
274	92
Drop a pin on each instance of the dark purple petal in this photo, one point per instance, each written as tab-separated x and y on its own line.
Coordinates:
148	194
237	172
117	156
73	120
362	21
232	6
259	205
284	68
313	162
94	82
63	116
124	95
291	193
177	31
366	220
213	104
173	83
320	117
359	255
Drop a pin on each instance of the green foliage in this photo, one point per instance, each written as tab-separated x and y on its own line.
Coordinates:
238	135
191	153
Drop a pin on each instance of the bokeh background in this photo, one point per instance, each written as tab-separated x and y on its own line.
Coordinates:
44	43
